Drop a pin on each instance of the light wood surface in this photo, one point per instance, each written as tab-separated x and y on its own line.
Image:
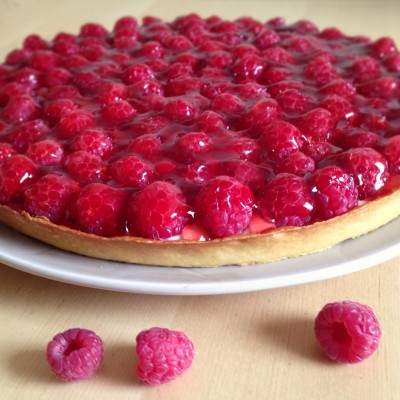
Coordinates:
248	346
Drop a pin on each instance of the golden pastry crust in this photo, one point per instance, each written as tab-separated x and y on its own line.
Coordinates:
271	246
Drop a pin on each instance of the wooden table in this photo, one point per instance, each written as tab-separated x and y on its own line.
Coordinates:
256	345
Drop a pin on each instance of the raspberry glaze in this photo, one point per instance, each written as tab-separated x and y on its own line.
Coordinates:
197	110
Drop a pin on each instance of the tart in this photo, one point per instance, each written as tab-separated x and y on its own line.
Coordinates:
199	142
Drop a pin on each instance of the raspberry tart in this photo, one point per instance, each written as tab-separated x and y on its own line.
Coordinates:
199	142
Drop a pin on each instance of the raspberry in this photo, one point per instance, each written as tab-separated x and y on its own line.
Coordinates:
46	152
25	134
190	147
179	110
383	47
110	92
387	88
287	201
131	171
250	174
16	174
100	209
6	151
261	114
75	354
93	141
391	151
136	73
246	148
224	206
368	168
20	109
316	125
347	331
357	137
148	146
292	101
34	42
163	355
48	197
58	76
75	122
158	211
297	164
280	139
365	69
334	192
341	109
85	167
44	60
321	70
56	109
339	87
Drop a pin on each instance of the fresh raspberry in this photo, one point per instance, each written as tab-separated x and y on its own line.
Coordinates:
29	78
246	148
179	110
34	42
11	90
130	171
16	174
75	122
27	133
111	92
321	69
199	172
224	206
58	76
341	109
93	141
189	147
209	121
248	68
368	168
75	354
6	151
118	111
147	146
287	201
347	331
340	87
62	92
357	137
317	125
44	60
383	47
391	151
261	114
247	172
85	167
297	164
20	109
266	39
392	62
163	355
365	69
386	87
143	124
88	82
292	101
48	197
158	211
334	192
136	73
46	152
100	209
94	30
227	103
56	109
280	139
146	88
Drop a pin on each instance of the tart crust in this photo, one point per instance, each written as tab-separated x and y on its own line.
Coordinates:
277	244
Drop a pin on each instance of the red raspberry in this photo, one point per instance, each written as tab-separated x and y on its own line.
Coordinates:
250	174
20	109
246	148
387	88
75	354
297	164
6	151
227	103
85	167
224	206
16	174
158	211
131	171
44	60
111	92
287	201
48	197
93	141
341	109
100	209
292	101
46	152
280	139
209	121
57	109
199	172
357	137
190	147
261	114
334	192
62	92
58	76
368	168
347	331
391	151
320	69
148	146
163	355
266	39
118	111
340	87
75	122
392	62
317	125
248	68
383	47
365	69
179	110
92	29
146	88
11	90
319	151
34	42
136	73
25	134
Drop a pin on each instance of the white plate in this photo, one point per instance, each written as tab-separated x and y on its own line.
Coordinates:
34	257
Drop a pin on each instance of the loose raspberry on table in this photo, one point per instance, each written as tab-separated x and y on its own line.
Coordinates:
347	331
163	355
287	200
224	206
75	354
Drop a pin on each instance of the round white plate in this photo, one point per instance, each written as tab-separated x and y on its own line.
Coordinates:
32	256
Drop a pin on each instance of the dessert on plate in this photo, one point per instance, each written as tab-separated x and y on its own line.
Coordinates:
201	141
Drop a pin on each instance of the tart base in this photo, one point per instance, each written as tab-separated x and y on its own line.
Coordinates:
274	245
